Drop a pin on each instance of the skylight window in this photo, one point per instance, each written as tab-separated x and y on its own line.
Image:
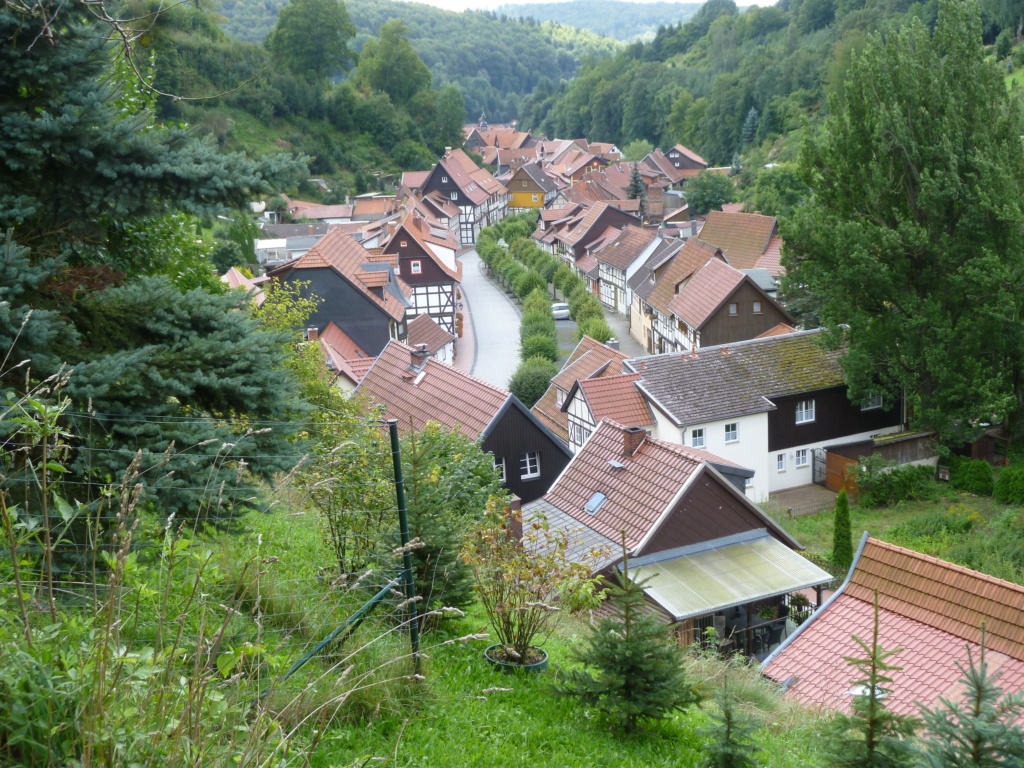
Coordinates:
596	502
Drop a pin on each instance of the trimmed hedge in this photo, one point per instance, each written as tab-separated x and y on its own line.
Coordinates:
531	379
882	484
1009	487
596	328
539	345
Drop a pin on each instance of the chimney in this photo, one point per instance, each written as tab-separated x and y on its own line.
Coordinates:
419	355
311	229
632	438
312	334
612	343
725	351
514	514
447	151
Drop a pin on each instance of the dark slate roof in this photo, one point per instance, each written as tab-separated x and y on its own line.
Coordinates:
544	181
642	282
737	379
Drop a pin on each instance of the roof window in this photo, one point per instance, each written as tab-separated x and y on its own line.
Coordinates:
596	502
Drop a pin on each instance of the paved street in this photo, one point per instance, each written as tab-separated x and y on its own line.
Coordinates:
493	321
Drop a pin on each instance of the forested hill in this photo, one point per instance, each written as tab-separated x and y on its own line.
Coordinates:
727	81
612	18
494	61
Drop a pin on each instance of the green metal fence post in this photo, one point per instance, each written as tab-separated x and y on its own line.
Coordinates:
403	523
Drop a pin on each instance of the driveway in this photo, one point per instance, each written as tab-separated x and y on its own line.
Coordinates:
495	321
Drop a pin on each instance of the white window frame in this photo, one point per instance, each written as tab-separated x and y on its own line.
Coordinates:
529	465
695	435
735	432
403	244
536	199
455	195
758	309
748	482
499	464
734	309
416	267
872	403
559	396
780	462
805	411
444	179
803	458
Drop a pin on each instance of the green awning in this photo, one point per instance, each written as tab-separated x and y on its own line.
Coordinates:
713	578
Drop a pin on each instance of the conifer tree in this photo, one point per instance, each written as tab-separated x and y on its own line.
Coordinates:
980	731
636	189
871	736
730	743
842	535
639	672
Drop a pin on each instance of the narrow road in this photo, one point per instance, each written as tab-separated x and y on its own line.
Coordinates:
495	321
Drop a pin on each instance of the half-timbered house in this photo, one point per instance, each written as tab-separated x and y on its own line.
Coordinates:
427	263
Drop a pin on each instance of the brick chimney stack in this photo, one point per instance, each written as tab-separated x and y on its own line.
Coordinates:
312	334
632	438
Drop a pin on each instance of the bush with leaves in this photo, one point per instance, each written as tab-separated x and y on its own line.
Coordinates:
537	323
639	673
882	483
596	328
971	475
527	283
537	301
539	345
1009	487
531	379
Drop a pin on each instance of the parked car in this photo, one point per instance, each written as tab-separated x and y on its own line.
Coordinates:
560	311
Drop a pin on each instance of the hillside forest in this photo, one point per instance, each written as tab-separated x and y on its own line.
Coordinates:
627	22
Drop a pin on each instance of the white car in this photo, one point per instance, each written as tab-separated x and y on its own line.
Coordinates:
560	311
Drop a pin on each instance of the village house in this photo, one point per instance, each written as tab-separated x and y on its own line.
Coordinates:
427	263
708	557
619	260
748	240
481	199
359	291
529	188
772	404
590	359
416	389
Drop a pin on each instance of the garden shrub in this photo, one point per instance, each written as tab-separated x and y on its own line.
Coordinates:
588	309
536	324
527	282
596	328
537	302
971	475
883	484
1009	488
539	345
531	379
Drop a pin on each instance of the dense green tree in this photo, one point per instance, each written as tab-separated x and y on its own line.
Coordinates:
78	161
636	150
872	735
730	737
391	65
915	236
639	672
531	379
842	534
311	38
777	191
708	191
979	731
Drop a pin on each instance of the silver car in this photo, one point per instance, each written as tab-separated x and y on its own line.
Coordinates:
560	311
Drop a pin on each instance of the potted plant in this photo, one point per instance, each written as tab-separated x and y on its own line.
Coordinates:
523	582
768	612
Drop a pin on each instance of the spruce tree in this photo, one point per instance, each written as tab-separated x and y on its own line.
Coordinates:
979	732
730	743
842	535
871	736
636	189
750	127
638	671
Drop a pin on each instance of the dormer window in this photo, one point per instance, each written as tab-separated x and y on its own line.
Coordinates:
559	396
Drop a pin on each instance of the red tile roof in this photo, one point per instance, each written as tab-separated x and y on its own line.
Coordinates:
235	279
369	206
626	247
342	352
638	493
617	398
930	608
690	154
771	259
432	391
705	292
777	330
743	237
424	330
692	256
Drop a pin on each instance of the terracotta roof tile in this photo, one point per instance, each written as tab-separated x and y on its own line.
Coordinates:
637	493
777	330
693	255
360	365
442	394
424	330
690	154
743	237
814	659
618	399
771	259
550	415
626	247
705	292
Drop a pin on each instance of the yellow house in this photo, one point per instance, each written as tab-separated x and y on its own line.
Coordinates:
530	187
